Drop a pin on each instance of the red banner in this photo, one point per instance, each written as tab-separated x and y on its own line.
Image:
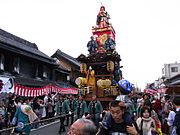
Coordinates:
150	91
162	90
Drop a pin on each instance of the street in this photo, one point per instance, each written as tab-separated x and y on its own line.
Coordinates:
49	129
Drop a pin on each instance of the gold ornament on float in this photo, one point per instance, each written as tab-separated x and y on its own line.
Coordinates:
102	39
83	68
110	66
104	83
90	77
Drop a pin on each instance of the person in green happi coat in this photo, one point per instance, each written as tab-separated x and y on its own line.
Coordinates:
95	109
61	109
81	108
72	105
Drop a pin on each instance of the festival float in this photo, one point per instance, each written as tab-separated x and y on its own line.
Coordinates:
100	69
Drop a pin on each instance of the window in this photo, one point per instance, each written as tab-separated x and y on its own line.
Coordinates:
174	69
68	78
1	62
16	65
40	71
163	71
45	72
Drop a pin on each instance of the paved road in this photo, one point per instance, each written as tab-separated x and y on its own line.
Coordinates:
49	129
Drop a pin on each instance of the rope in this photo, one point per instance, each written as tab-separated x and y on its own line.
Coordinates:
27	124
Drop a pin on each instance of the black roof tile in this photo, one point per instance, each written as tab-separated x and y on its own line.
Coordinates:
68	57
21	44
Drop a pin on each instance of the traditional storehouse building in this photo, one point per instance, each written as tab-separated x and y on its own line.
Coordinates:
33	72
69	63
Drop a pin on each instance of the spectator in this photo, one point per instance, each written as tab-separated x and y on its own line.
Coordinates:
11	109
36	105
157	107
145	123
2	115
42	110
170	120
19	102
50	109
176	123
82	127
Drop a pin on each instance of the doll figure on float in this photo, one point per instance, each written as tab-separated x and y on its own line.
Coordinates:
102	18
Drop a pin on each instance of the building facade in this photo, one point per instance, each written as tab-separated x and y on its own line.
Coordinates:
171	70
33	72
69	63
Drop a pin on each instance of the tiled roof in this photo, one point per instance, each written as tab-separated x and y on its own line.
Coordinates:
21	44
68	57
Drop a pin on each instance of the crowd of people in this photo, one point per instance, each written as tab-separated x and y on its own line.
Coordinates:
142	114
135	114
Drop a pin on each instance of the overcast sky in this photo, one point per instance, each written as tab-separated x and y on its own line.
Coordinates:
147	31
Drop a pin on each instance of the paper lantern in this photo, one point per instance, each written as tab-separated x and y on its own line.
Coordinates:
108	82
80	81
99	83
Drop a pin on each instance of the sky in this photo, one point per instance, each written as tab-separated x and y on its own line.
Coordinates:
147	31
